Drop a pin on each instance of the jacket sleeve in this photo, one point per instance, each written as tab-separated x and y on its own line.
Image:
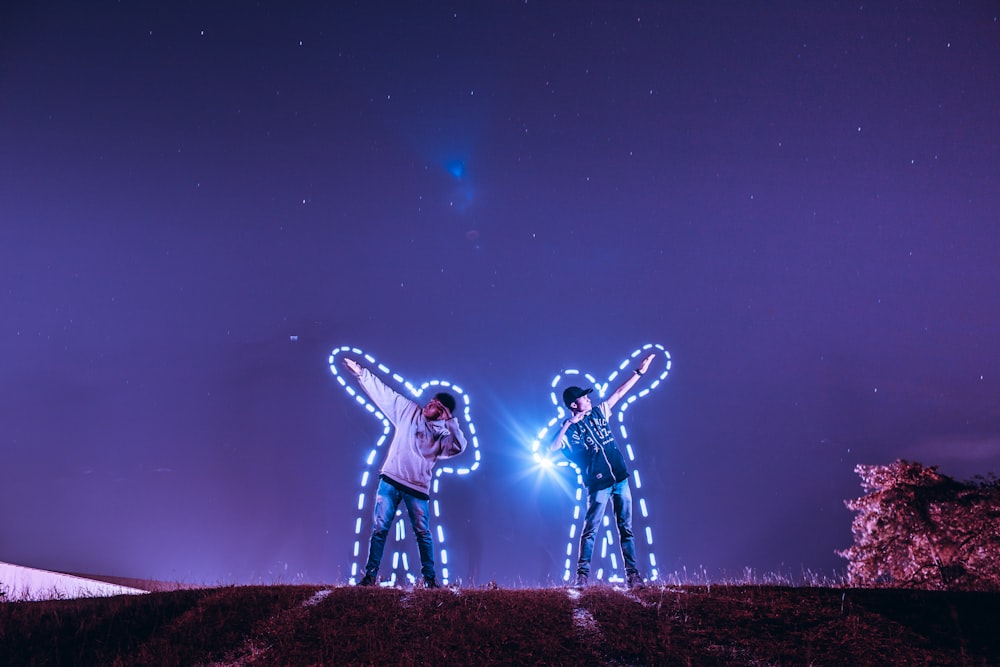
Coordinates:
451	439
394	405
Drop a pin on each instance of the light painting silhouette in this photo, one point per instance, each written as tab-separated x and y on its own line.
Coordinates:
395	549
606	563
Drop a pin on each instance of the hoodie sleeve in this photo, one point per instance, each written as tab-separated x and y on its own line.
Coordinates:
451	439
394	405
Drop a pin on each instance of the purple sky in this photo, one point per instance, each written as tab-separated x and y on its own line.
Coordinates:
801	203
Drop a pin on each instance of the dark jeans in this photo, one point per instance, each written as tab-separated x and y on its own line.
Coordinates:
386	501
621	496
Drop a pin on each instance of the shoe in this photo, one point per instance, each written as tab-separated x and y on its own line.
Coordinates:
635	581
430	582
367	580
581	582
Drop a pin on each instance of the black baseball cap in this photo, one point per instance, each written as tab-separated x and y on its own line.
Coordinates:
572	393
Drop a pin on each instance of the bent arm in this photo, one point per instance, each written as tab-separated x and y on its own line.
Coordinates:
452	440
560	440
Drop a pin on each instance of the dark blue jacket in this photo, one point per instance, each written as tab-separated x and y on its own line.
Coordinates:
592	447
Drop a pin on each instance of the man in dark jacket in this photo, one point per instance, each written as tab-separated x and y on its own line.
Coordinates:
588	441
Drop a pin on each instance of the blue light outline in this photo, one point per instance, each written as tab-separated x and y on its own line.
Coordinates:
543	459
398	556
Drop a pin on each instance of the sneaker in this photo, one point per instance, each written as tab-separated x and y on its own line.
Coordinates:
581	582
430	582
367	580
635	581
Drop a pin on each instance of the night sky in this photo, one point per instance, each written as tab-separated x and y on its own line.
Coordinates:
200	201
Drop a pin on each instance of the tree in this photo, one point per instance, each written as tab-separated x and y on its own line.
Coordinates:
917	528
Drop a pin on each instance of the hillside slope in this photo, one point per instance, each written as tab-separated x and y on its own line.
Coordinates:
689	625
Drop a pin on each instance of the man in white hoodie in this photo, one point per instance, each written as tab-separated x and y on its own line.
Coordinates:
421	436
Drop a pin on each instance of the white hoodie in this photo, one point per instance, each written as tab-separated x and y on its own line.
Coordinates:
417	443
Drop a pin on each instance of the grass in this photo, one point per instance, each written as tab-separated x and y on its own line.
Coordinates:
727	624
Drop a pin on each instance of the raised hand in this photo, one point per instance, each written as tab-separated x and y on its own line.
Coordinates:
353	366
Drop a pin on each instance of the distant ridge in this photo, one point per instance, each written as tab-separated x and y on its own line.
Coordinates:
147	585
18	582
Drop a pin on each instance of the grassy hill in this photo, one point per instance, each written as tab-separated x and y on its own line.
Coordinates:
660	625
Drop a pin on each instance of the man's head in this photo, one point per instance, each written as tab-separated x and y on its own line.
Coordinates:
577	399
442	405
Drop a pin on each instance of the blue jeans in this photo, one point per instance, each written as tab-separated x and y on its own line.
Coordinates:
621	496
387	499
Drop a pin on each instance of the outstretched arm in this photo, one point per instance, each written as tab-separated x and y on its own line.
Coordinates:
626	386
388	400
